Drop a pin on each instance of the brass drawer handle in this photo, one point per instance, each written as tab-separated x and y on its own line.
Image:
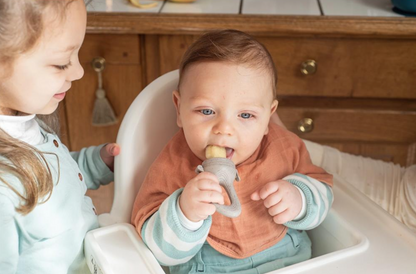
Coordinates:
309	67
98	64
305	125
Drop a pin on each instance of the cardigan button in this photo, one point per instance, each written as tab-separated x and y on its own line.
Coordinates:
56	143
80	176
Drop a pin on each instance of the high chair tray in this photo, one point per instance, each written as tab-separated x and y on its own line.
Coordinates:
118	249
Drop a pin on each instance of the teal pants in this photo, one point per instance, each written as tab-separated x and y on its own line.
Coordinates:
295	247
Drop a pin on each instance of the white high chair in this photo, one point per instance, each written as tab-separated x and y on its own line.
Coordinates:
356	237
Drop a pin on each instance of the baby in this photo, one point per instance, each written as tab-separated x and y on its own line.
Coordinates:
226	96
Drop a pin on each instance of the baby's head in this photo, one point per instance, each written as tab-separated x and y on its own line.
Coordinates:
226	94
39	44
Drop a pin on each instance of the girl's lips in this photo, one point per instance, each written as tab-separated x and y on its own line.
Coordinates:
60	96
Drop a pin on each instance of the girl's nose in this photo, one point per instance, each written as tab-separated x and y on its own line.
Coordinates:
76	71
223	126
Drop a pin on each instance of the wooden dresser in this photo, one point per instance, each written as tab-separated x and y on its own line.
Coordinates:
347	82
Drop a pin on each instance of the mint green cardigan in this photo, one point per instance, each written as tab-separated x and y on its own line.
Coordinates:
50	238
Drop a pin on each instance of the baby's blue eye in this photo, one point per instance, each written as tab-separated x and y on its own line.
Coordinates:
207	111
246	115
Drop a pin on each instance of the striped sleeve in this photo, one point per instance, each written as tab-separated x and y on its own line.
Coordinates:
170	242
319	198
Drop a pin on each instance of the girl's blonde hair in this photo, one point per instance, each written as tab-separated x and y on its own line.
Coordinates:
21	25
229	46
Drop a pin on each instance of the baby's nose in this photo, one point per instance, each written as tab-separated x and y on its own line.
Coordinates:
223	126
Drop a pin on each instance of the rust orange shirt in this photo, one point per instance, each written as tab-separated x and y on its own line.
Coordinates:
280	153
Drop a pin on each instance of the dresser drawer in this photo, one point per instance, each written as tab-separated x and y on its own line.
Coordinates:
352	125
337	67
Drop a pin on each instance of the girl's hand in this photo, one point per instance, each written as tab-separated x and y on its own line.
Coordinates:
108	152
281	198
198	196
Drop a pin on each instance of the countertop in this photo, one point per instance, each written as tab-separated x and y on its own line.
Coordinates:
373	8
261	17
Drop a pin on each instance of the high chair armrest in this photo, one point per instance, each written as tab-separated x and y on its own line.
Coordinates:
118	249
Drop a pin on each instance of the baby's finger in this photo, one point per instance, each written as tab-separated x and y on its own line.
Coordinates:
283	217
208	184
207	210
277	209
268	189
255	196
213	197
272	199
113	149
207	176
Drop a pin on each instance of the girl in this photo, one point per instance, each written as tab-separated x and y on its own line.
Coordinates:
44	213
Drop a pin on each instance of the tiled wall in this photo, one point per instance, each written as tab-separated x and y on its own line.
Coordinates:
266	7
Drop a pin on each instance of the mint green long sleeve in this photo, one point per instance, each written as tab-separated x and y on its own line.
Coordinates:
50	238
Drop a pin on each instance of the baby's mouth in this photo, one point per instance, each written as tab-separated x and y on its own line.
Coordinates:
229	152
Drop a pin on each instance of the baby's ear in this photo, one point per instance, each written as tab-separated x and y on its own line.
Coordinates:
273	107
176	97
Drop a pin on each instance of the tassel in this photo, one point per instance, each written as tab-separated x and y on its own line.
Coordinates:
102	114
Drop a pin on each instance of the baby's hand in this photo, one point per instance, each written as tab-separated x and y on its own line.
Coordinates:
198	196
281	198
108	152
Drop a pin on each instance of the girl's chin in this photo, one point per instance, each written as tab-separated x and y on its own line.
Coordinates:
51	108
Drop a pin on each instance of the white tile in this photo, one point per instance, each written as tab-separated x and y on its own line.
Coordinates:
281	7
121	6
358	8
204	6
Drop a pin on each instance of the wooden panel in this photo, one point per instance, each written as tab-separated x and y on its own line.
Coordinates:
116	49
353	125
345	67
172	49
151	58
384	68
163	53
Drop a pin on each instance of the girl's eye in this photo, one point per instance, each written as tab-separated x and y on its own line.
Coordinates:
207	111
64	67
246	115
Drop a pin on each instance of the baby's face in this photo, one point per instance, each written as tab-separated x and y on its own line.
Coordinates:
226	105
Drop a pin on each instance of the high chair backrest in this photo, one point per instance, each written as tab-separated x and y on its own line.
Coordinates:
147	127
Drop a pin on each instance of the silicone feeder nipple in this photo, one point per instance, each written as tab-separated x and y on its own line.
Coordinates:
225	170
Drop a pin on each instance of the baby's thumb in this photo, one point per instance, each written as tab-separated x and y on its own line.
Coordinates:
255	196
